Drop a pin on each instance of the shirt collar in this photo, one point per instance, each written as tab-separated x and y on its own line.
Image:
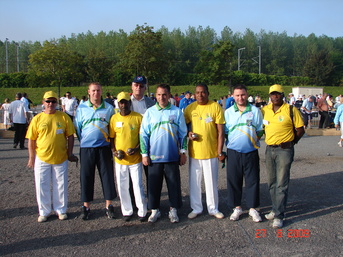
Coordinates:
159	108
102	105
247	108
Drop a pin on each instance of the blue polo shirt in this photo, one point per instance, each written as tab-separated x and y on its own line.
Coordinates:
243	128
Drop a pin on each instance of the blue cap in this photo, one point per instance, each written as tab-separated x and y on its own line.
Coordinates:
140	79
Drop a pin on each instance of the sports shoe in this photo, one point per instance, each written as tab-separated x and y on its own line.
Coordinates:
110	212
85	213
143	219
236	213
277	223
62	216
270	216
193	215
173	216
155	214
42	219
127	218
340	144
255	215
218	215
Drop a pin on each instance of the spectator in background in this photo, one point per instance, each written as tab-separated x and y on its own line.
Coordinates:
187	100
229	101
323	109
339	121
109	99
69	105
292	99
18	112
306	111
5	106
177	99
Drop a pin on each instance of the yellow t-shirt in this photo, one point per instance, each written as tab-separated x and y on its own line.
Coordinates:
125	131
204	120
50	131
278	126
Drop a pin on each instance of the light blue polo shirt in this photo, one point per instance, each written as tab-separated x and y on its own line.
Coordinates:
243	128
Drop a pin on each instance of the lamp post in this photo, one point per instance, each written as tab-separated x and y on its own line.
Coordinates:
6	45
239	57
259	59
18	68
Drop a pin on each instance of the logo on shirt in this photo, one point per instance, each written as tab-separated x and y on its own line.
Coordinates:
58	124
154	157
281	118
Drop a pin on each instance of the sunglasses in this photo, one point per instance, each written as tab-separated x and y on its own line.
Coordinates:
140	86
50	101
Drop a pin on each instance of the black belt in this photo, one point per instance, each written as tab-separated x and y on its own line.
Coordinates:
283	145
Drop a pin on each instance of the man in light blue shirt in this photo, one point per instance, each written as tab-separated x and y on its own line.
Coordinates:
306	111
244	129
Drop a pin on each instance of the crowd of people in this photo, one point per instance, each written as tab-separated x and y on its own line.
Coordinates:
133	133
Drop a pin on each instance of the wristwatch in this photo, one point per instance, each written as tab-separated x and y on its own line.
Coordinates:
221	154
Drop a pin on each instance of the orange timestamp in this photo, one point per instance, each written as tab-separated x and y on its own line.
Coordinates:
290	233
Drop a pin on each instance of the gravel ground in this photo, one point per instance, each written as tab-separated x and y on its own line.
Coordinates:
313	227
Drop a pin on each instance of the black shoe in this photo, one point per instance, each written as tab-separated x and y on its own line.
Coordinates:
84	213
23	148
15	145
143	219
110	212
127	218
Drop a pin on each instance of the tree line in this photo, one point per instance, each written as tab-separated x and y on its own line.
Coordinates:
177	57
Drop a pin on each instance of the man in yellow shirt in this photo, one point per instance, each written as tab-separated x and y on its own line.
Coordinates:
51	142
124	135
279	120
205	120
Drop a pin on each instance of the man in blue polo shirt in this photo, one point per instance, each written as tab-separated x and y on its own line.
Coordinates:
244	127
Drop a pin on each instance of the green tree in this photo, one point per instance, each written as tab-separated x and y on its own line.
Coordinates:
144	54
214	65
57	63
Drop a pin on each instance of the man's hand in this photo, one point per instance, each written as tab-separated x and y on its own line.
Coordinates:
192	136
183	159
146	161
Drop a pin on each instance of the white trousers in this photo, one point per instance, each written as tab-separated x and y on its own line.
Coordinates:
53	176
208	168
123	179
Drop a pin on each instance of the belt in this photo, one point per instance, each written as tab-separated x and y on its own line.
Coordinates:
283	145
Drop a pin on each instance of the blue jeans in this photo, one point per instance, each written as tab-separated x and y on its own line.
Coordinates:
278	164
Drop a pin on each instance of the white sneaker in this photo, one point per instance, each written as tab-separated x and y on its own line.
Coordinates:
340	144
270	216
173	216
42	219
255	215
155	214
62	216
193	215
236	213
277	223
218	215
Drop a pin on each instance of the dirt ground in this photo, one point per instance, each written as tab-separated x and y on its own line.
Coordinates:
313	227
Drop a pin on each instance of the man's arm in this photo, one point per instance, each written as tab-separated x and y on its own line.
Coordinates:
221	137
32	153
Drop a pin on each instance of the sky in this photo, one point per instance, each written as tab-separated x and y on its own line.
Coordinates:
40	20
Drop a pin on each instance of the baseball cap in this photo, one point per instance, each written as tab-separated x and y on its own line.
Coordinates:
187	92
50	94
123	95
276	88
140	79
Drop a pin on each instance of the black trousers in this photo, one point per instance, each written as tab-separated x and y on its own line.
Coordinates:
19	134
239	166
100	157
324	119
171	172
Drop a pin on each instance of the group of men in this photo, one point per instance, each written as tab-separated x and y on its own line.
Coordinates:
153	137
